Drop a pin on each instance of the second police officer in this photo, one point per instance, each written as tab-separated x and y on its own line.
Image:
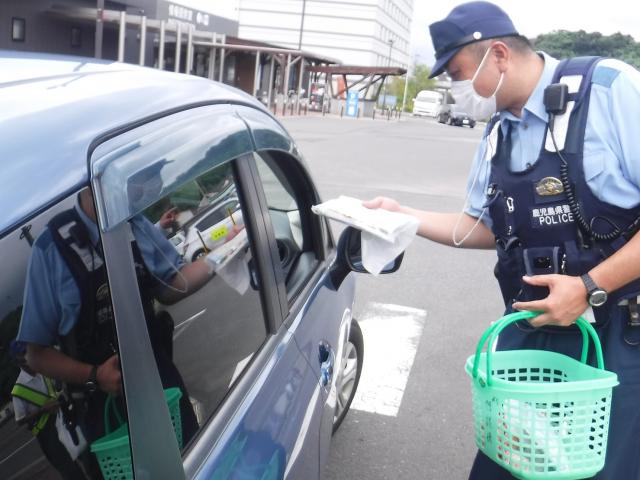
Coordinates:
561	210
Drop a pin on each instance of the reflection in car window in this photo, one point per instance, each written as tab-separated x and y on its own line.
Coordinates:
49	417
290	224
208	300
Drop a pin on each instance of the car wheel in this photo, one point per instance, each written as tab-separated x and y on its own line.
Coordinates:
473	124
440	119
350	375
198	254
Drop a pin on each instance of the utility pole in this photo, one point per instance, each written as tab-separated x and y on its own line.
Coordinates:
99	28
304	8
406	84
384	90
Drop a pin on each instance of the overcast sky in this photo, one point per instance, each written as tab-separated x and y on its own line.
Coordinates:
530	18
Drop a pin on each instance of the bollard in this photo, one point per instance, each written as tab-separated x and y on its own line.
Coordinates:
358	112
374	113
306	108
291	109
341	111
275	108
323	110
284	108
388	114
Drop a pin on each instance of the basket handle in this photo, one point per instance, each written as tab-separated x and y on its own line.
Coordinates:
109	405
494	330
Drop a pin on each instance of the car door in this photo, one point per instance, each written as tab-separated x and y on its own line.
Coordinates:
314	310
257	403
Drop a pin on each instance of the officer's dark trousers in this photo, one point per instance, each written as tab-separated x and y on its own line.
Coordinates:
623	449
57	453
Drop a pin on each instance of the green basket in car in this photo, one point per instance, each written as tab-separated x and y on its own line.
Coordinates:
539	414
113	451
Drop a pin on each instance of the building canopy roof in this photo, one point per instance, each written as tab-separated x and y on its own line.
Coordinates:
356	70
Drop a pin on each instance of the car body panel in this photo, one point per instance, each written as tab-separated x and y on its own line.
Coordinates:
277	420
92	96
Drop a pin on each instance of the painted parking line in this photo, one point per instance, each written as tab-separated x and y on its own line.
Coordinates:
391	337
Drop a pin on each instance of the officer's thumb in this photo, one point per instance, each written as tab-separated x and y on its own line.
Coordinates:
375	203
114	362
538	280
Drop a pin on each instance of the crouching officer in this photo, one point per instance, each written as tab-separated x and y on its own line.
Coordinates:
67	319
555	188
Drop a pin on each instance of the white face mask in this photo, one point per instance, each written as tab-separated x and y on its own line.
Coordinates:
472	102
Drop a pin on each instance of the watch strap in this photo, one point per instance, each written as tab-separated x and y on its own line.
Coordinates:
589	283
92	381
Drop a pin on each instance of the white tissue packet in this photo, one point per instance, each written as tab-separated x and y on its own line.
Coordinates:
385	234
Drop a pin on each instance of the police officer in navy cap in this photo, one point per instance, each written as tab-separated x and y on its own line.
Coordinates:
555	188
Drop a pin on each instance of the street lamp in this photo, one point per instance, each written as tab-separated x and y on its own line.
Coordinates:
384	90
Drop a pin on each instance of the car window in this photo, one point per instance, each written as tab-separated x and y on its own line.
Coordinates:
289	200
45	422
201	292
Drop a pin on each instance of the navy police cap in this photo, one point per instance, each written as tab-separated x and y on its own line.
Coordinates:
465	24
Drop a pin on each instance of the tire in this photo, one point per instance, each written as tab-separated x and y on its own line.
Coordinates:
346	390
197	254
440	119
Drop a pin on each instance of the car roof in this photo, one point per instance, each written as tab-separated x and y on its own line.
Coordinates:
55	106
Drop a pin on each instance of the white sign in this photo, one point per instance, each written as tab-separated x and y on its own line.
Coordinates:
188	15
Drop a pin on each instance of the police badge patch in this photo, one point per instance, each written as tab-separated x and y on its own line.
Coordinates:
549	186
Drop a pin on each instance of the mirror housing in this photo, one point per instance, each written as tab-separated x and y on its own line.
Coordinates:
349	257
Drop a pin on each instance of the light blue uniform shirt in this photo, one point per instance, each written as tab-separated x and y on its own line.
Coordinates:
52	298
611	144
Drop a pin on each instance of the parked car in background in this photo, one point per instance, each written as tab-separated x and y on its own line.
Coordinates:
427	103
268	351
452	115
208	230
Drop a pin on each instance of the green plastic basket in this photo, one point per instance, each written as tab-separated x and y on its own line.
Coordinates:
113	451
539	414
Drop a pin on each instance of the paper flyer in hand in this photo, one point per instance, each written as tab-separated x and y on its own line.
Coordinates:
385	234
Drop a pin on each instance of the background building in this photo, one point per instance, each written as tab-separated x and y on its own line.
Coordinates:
357	32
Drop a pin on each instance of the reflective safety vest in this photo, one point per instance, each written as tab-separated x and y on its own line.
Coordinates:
37	398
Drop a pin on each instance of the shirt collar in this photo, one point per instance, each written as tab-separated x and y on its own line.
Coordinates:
535	103
92	228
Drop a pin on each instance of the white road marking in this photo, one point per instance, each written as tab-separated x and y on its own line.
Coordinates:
391	337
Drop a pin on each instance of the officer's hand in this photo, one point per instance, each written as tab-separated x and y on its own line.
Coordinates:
567	300
384	203
168	218
235	230
109	377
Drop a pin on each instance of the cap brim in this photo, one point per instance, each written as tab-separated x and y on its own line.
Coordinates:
441	63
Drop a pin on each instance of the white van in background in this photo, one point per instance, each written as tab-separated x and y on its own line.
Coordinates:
427	103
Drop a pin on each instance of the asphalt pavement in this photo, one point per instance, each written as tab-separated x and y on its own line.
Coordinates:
445	296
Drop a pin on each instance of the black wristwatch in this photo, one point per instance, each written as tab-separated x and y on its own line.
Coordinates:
92	382
596	296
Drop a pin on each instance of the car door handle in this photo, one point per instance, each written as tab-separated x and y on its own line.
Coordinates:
327	359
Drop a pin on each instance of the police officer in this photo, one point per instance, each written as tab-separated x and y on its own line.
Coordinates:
67	320
555	188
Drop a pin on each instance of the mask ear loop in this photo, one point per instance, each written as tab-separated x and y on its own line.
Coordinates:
484	164
475	75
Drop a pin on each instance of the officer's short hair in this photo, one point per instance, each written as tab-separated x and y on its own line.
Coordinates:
517	43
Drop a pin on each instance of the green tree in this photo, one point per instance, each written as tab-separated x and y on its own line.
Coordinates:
418	80
565	44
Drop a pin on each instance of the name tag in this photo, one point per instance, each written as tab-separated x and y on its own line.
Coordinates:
544	217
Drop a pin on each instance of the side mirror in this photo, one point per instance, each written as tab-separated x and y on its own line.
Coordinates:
350	257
